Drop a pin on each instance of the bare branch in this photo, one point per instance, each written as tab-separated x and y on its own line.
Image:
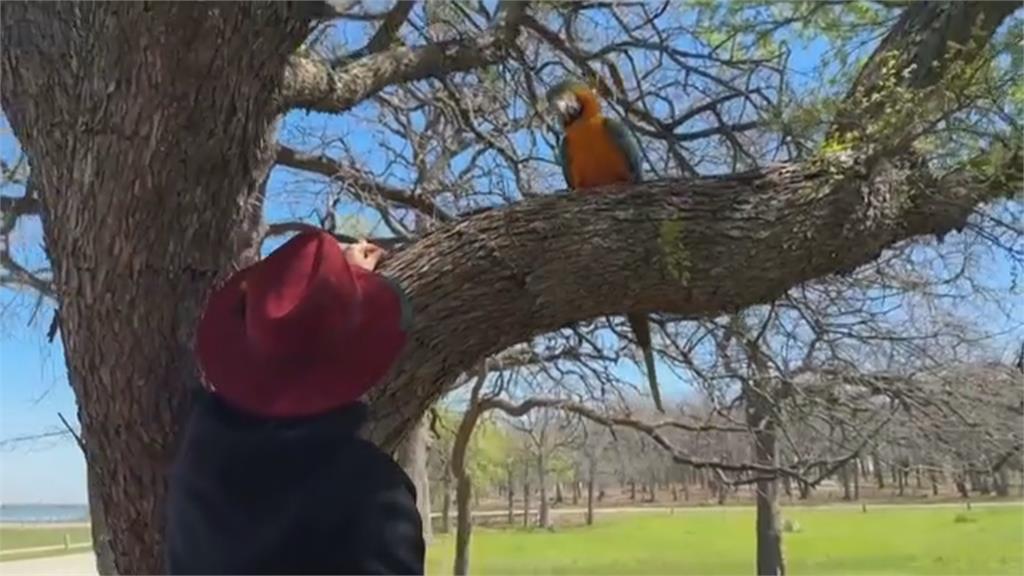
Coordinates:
326	166
651	430
15	275
74	434
312	84
18	206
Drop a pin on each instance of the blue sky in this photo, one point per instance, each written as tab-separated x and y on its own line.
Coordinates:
33	378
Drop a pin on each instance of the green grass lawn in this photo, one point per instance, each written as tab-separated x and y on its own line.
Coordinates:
917	540
830	541
34	537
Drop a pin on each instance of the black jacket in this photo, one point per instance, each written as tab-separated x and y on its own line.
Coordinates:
253	496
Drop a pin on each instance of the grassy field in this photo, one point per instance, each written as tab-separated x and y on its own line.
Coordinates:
830	541
894	540
20	538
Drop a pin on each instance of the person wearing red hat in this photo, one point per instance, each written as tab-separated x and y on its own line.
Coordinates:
272	476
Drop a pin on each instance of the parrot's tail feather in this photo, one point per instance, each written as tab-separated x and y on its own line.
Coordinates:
641	328
652	379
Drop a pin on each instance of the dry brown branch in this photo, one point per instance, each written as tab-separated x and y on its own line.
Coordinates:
313	84
334	170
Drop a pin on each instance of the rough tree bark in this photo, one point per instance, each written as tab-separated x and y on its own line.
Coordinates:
844	479
543	519
856	479
526	492
105	561
511	493
770	560
446	502
463	483
591	479
150	132
464	524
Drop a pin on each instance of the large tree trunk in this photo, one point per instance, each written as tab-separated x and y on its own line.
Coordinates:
464	528
463	483
760	419
412	455
876	466
446	501
591	479
526	492
511	495
150	132
543	519
856	479
1001	481
844	478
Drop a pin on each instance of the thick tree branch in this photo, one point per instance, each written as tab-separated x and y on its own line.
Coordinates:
13	274
326	166
17	206
708	246
388	30
313	84
928	40
650	429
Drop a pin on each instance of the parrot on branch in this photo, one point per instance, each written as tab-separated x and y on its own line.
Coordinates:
596	151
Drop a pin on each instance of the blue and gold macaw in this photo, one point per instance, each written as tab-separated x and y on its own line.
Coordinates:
597	151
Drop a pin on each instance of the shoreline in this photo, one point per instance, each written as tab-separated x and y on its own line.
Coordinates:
44	525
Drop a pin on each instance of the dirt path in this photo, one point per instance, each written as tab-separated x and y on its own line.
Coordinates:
67	565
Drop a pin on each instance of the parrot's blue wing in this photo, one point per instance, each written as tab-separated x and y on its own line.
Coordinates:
627	143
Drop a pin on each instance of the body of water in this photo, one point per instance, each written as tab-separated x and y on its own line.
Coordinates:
43	513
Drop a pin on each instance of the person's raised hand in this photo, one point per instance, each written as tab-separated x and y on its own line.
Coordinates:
364	254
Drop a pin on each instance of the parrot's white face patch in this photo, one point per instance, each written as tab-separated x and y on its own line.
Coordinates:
568	106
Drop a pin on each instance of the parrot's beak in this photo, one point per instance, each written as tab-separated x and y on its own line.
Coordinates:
567	106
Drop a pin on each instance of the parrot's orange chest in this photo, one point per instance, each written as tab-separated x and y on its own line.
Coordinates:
593	157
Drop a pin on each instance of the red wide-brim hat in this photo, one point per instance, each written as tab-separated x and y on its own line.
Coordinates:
300	332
